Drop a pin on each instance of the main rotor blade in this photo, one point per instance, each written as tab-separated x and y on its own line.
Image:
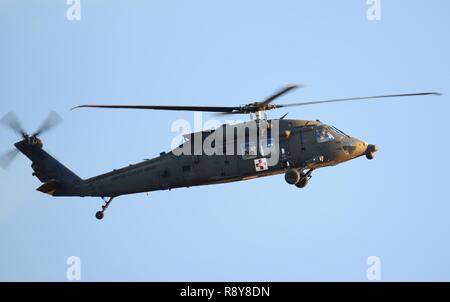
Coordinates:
7	158
175	108
53	119
356	99
11	121
279	93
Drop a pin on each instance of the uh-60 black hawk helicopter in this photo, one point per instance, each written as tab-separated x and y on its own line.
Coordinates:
301	146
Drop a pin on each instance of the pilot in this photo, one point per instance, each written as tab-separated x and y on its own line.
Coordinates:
322	135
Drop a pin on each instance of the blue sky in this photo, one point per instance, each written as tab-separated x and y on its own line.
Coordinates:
228	53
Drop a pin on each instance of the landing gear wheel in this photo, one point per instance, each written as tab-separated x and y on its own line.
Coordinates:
292	177
99	215
303	182
370	155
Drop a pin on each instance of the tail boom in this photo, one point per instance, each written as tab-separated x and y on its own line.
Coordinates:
57	179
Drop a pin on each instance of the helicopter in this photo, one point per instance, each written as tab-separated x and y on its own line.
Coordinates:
256	148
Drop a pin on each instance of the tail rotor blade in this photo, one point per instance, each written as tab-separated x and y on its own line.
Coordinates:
11	121
7	158
53	119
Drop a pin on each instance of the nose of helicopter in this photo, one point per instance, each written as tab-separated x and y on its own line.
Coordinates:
363	148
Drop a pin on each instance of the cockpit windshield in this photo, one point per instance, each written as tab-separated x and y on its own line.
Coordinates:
338	132
323	134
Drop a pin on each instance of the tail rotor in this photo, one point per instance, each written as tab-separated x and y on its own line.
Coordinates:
7	158
53	119
11	122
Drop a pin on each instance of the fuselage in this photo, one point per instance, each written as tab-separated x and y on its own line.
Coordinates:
300	145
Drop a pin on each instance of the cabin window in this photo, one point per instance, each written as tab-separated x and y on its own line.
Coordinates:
249	150
266	145
323	135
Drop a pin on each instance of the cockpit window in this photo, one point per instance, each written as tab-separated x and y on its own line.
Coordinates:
323	135
338	132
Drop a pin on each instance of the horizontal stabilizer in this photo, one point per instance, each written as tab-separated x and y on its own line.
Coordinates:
49	187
